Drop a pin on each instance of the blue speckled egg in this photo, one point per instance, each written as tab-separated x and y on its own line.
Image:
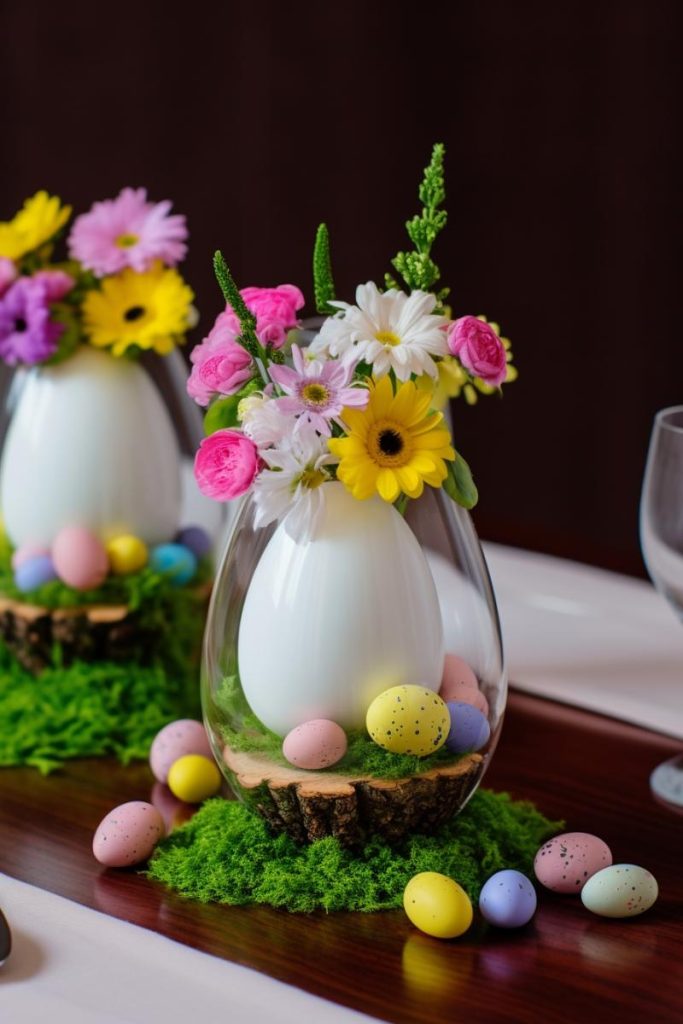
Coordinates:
33	572
175	561
508	899
196	539
469	730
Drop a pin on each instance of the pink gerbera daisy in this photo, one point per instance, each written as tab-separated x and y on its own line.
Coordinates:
317	391
128	232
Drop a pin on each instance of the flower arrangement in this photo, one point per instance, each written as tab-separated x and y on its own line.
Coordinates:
118	290
362	404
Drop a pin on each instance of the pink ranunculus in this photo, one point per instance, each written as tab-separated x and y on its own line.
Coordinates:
479	349
220	365
57	283
8	272
275	310
225	465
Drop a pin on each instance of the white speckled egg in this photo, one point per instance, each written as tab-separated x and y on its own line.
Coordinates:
80	558
621	890
408	720
315	744
128	834
175	740
565	863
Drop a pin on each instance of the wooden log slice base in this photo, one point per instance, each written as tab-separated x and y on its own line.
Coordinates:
92	632
310	805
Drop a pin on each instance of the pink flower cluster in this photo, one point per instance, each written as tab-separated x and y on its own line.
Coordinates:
226	465
220	365
479	349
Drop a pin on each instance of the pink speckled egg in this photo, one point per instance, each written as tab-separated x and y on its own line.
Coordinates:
128	834
186	736
80	558
464	693
26	551
173	811
315	744
565	863
457	675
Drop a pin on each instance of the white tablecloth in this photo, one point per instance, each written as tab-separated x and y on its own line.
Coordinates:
574	633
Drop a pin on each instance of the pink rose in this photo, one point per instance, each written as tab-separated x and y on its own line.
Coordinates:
8	272
275	310
225	465
220	365
479	349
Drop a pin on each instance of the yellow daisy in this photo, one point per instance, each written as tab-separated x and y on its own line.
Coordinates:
148	310
39	219
396	444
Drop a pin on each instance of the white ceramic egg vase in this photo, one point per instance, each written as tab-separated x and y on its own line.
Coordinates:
103	443
301	630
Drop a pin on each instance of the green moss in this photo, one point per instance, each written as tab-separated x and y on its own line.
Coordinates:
226	854
246	733
87	710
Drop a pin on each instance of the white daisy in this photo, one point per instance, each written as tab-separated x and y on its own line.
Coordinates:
263	421
389	330
290	488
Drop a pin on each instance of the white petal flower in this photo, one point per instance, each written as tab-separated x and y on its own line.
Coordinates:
290	488
389	330
263	422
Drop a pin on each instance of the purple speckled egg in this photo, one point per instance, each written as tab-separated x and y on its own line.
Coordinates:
26	551
128	834
508	899
175	740
33	572
196	539
457	675
565	863
469	730
80	558
315	744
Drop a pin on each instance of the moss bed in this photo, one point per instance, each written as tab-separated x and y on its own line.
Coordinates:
244	732
226	854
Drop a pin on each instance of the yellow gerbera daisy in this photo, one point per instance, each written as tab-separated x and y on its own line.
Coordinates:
149	310
394	445
39	219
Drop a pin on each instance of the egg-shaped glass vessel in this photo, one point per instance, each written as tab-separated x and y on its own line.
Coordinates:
312	628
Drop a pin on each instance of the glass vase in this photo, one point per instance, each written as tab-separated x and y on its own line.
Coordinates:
302	630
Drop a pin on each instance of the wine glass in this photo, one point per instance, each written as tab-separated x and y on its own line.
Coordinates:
661	538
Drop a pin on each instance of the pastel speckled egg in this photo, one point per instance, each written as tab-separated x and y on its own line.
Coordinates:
26	551
80	558
621	890
408	720
469	729
194	778
33	572
437	905
175	561
127	554
196	539
508	899
565	863
465	693
315	744
175	740
456	675
128	834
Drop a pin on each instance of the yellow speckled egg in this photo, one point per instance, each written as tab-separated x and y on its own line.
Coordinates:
408	720
437	905
127	554
194	778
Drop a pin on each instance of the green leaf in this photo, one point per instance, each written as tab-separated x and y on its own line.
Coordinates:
323	282
231	294
459	484
221	414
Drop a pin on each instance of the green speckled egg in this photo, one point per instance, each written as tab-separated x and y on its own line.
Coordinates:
408	720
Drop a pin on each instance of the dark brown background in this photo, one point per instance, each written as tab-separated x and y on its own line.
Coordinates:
260	119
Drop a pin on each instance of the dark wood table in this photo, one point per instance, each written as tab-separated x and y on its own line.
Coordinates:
567	965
